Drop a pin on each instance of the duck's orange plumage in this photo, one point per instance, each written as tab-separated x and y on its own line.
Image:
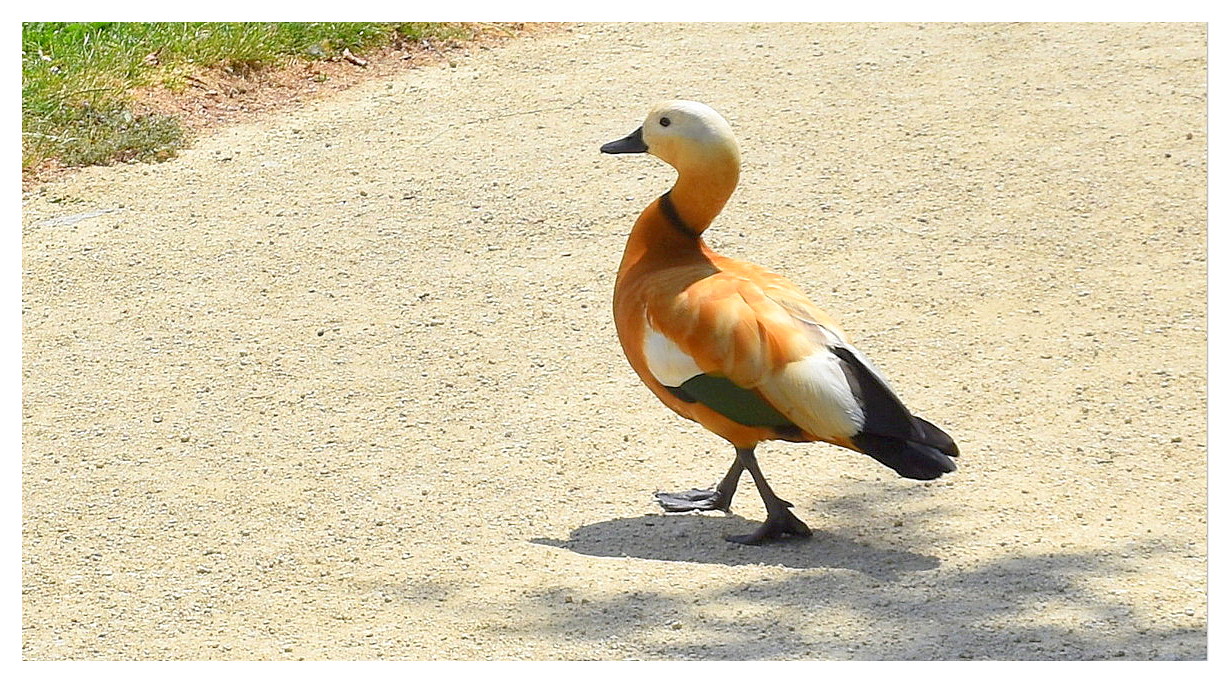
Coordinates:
737	348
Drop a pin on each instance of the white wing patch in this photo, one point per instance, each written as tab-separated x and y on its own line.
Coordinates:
667	361
815	394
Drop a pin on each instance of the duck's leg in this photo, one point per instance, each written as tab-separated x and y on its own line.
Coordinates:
778	519
700	499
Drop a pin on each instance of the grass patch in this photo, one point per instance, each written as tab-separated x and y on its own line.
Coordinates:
77	76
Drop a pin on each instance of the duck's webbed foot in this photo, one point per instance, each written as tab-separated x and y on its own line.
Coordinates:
718	498
778	525
693	499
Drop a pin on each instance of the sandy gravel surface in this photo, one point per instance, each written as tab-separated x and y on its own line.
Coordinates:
344	383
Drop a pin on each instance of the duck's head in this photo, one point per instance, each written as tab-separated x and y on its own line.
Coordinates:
684	134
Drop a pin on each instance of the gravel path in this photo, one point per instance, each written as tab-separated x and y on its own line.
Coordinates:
344	383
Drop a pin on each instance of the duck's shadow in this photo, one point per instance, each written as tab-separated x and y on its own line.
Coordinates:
699	538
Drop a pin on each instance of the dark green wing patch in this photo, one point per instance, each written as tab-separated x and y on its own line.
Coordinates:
731	401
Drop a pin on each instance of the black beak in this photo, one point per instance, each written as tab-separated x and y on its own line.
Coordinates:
633	144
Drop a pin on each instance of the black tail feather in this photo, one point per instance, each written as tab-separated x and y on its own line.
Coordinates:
912	446
931	435
908	458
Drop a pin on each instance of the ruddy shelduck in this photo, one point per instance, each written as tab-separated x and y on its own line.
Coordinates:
737	348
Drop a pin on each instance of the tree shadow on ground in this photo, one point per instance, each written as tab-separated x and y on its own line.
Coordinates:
1028	608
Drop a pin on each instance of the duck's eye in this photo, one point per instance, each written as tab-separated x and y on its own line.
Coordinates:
664	122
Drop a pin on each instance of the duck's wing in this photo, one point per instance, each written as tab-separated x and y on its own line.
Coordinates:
752	347
725	343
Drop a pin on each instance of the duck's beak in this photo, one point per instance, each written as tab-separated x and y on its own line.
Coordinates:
633	144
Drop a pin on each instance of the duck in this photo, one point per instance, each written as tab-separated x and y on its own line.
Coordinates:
737	348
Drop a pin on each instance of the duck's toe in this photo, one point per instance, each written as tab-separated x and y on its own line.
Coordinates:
774	528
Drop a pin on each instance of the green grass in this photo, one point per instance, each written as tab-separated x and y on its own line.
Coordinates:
77	77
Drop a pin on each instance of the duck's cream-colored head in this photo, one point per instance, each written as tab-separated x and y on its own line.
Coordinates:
687	135
700	145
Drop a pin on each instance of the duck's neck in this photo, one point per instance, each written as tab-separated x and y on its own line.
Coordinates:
702	190
669	230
